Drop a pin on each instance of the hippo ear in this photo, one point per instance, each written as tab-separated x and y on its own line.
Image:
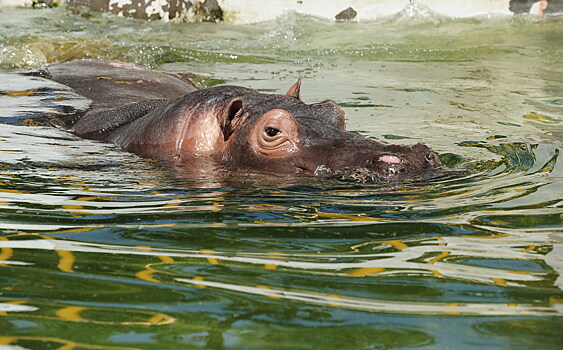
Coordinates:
231	117
341	119
294	89
329	112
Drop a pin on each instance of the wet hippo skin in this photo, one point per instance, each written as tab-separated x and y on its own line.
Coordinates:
162	116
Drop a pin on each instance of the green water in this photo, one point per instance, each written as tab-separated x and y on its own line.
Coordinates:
101	249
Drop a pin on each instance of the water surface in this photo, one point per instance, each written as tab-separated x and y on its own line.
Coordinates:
101	249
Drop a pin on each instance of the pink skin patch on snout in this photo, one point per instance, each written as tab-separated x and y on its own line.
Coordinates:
390	159
125	65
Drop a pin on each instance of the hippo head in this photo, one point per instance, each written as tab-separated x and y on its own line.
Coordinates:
282	134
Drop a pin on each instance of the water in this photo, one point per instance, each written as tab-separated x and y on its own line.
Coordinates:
101	249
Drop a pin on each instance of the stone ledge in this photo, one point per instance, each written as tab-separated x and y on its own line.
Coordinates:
249	11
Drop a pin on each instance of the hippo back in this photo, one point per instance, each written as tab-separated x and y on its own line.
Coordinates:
120	92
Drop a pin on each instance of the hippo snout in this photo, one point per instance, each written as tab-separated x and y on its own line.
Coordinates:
392	165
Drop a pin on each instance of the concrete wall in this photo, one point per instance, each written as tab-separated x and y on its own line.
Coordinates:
241	11
248	11
14	3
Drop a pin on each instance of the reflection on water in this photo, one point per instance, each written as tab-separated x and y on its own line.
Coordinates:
100	249
464	258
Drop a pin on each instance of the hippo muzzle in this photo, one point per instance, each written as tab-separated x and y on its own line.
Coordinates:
420	157
328	150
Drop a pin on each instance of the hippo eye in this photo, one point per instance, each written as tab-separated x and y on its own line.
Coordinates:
272	132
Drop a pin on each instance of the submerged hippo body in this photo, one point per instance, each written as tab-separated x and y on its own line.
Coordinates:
166	119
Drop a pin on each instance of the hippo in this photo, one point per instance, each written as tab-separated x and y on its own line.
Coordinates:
163	116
